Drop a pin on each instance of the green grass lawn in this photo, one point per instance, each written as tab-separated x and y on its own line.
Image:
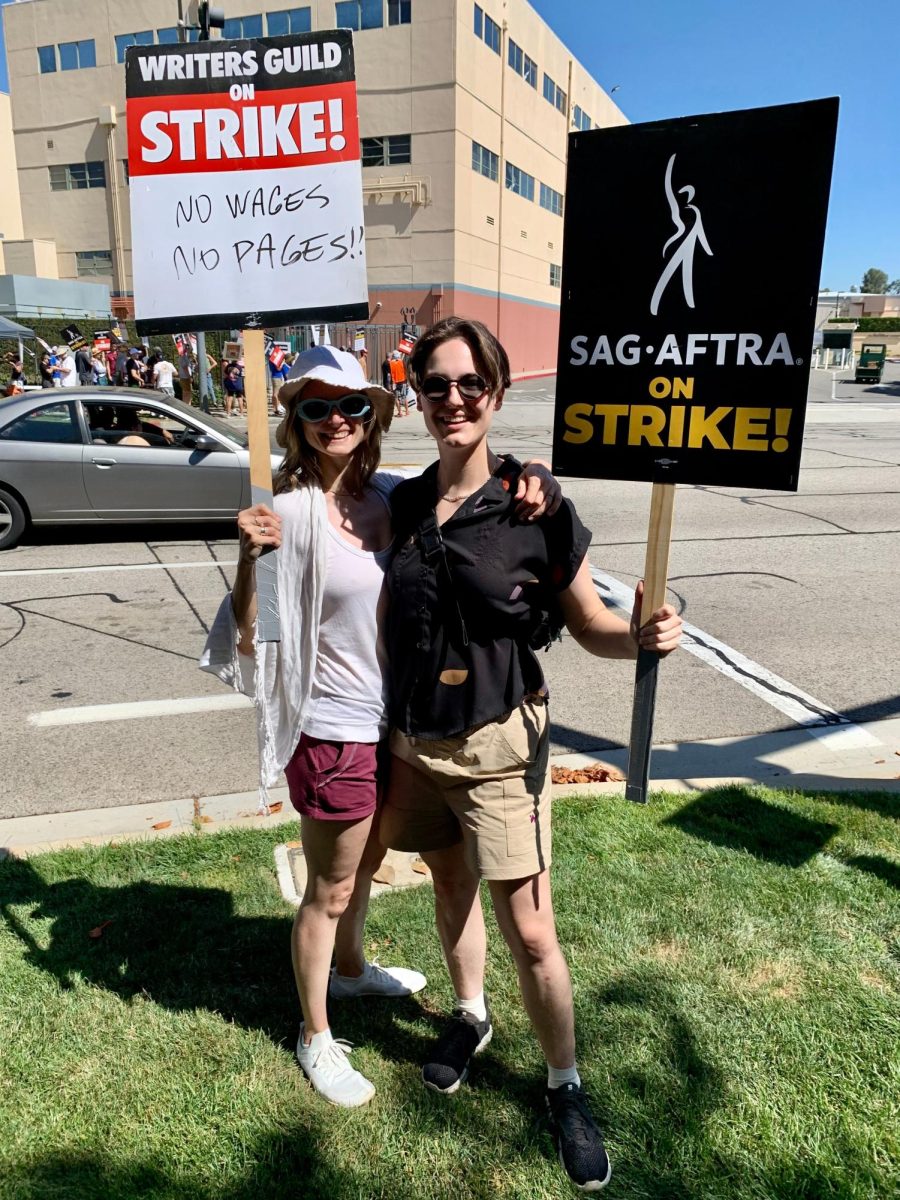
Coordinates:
735	960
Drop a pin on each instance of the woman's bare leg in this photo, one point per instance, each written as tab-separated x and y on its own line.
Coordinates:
524	911
460	921
333	850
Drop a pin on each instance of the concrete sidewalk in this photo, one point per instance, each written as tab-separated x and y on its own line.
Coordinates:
839	758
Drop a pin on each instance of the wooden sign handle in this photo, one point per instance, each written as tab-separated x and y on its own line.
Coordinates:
656	577
268	622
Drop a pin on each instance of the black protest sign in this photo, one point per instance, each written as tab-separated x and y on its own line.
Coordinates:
246	183
691	259
73	336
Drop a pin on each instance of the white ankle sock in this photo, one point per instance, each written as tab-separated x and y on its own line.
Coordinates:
556	1077
475	1007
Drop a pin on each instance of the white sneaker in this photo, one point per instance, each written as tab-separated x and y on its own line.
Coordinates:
324	1062
376	981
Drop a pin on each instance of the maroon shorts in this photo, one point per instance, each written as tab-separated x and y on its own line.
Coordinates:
334	781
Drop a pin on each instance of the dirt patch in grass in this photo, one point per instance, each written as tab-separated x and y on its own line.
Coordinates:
873	980
779	979
667	951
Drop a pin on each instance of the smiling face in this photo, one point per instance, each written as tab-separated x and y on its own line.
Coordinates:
337	436
456	423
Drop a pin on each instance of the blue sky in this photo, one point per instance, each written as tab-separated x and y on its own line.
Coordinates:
676	57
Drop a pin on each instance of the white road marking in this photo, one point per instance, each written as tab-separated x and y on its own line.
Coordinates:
819	720
138	709
154	566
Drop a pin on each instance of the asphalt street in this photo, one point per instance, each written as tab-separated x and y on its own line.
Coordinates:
789	597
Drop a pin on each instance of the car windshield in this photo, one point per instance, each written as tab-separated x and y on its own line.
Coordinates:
222	428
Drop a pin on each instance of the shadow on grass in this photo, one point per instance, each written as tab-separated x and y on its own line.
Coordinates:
875	865
666	1100
182	948
285	1165
885	804
736	818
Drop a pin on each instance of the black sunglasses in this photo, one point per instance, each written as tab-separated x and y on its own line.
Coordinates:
354	407
437	387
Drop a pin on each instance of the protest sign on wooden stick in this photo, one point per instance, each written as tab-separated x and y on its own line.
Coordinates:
676	366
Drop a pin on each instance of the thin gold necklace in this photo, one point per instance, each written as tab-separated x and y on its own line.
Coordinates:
456	499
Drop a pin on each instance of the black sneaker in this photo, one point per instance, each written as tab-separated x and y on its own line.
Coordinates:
578	1140
448	1066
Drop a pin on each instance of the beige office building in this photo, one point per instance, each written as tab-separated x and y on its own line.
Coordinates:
464	113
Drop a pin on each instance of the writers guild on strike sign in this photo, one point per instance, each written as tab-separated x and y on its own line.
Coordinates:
686	364
245	160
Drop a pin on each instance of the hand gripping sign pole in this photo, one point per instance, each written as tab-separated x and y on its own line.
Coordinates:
656	570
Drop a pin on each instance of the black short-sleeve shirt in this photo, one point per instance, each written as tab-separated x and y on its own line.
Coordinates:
467	600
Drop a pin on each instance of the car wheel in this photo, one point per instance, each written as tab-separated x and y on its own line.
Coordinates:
12	520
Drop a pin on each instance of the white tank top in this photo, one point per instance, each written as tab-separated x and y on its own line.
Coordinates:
349	693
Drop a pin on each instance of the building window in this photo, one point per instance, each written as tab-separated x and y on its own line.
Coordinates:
72	177
492	34
47	59
243	27
359	14
74	55
489	31
93	262
485	162
580	119
554	94
126	174
551	200
292	20
387	151
519	181
555	275
399	12
166	37
522	64
124	40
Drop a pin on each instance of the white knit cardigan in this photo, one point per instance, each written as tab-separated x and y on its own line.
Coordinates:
279	675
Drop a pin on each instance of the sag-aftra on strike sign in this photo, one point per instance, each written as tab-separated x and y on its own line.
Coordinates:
246	183
691	259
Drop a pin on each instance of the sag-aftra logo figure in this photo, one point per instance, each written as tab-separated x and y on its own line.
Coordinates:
687	239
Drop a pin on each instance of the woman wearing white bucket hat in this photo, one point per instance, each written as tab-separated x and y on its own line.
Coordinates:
321	692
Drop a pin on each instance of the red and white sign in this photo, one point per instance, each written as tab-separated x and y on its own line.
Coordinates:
181	340
102	341
405	345
245	182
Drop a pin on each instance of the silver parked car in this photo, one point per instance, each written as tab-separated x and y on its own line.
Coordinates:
82	455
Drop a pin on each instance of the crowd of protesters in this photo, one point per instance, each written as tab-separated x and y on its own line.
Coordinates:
122	365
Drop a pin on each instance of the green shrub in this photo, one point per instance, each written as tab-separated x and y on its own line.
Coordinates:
879	325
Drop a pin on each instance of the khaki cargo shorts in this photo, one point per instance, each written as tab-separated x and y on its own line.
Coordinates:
489	788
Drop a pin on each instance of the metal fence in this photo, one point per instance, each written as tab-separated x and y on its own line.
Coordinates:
380	340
